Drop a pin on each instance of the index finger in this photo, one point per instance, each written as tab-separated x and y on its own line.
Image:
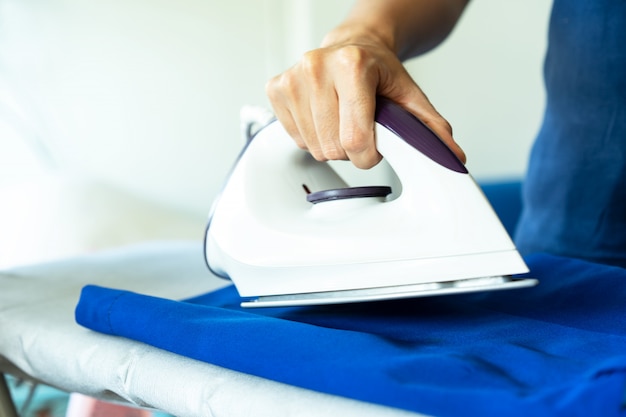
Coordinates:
357	107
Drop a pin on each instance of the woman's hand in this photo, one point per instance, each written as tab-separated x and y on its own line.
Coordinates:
327	101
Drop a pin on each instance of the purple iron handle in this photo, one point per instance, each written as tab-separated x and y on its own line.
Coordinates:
410	129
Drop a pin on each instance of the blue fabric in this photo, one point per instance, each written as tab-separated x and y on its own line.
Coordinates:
558	349
575	189
506	199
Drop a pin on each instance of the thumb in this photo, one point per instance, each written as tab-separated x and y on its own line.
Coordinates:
404	91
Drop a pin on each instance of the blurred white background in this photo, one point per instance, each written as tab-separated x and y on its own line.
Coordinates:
122	117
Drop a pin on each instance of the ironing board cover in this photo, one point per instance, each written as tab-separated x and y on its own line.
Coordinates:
558	349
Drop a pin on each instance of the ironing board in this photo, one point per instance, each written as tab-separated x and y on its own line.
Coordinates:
40	341
555	350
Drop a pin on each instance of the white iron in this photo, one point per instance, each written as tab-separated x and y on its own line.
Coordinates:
289	230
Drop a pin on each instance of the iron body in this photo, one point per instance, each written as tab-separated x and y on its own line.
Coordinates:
289	230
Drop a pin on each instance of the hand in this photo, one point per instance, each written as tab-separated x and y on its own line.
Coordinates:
327	101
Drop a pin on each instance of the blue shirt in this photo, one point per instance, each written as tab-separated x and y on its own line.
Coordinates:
575	189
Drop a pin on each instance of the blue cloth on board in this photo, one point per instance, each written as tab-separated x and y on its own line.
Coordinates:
558	349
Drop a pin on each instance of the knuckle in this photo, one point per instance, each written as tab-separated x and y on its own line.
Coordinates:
369	162
446	125
353	142
312	64
361	149
271	88
285	84
289	84
437	122
353	58
334	153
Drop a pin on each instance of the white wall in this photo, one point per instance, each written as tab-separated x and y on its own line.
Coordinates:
143	93
146	93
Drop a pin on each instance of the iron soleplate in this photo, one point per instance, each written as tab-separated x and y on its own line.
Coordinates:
392	293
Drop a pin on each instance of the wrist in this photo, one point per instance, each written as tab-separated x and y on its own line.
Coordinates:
359	34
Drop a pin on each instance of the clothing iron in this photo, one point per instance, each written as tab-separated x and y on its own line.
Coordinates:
288	230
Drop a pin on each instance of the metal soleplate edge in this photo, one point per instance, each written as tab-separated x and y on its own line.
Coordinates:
392	293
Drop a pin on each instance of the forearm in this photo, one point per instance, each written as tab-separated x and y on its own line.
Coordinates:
408	27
